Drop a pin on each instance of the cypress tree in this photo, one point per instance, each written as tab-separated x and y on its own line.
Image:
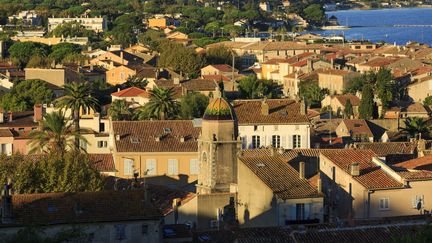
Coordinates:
348	111
366	104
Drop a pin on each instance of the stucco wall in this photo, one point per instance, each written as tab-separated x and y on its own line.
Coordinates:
267	131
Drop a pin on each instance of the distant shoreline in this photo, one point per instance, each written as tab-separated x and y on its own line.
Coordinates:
363	9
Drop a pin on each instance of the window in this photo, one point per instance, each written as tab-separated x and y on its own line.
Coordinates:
144	229
296	141
333	173
102	144
276	141
194	166
102	127
255	127
303	211
83	144
244	142
120	231
172	167
128	167
151	167
384	204
418	202
256	143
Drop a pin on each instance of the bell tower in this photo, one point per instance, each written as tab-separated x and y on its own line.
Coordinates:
218	145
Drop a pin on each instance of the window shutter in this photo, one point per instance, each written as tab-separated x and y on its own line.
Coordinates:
128	167
194	167
151	167
292	212
283	142
244	142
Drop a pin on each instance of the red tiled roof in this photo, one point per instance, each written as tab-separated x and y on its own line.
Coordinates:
131	92
355	101
223	67
281	111
371	176
103	162
199	85
216	77
388	148
280	177
358	127
140	136
103	206
422	163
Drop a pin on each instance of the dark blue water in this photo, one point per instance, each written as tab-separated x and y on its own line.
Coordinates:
377	25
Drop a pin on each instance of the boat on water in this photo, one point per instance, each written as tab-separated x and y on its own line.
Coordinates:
336	27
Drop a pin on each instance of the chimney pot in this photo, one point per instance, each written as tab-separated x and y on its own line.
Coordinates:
37	112
118	137
302	170
182	139
355	169
10	116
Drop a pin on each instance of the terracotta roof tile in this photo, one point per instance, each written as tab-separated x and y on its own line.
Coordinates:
281	111
280	177
131	92
199	85
371	176
388	148
422	163
103	206
103	162
358	127
355	101
141	136
223	67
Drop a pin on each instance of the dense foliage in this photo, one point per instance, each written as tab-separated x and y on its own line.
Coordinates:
193	105
25	94
252	88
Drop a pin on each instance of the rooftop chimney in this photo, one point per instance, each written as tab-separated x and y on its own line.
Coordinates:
37	112
302	170
10	116
117	137
2	116
319	183
6	206
303	107
182	139
310	65
265	107
355	169
122	58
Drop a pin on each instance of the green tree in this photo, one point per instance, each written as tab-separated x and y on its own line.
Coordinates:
348	111
161	105
183	59
252	88
312	93
415	126
25	94
136	81
219	55
193	105
119	111
151	38
125	28
21	52
428	101
385	87
356	84
54	134
78	96
421	235
37	61
366	107
314	13
213	27
71	29
60	51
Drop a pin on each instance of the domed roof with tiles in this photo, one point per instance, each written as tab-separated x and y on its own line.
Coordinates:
218	109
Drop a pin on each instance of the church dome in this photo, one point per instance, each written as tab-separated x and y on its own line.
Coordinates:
218	109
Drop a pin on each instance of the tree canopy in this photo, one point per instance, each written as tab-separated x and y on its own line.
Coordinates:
366	107
252	88
25	94
193	105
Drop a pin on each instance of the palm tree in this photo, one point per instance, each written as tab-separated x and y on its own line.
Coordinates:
162	104
415	126
119	110
78	95
53	135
